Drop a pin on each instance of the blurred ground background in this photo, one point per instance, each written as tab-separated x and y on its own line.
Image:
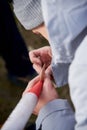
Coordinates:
11	93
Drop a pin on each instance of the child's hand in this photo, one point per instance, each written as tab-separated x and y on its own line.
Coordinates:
31	84
48	94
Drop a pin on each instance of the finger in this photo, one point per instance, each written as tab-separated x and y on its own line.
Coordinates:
35	57
48	83
50	88
42	73
37	68
34	81
49	70
31	84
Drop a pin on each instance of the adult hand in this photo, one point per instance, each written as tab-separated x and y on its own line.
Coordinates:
41	56
48	94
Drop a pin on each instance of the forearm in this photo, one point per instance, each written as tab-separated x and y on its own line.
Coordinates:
56	114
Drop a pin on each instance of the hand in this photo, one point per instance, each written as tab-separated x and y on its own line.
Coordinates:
39	57
48	94
31	84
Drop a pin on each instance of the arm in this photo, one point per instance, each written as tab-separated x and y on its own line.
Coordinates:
66	31
44	55
53	112
57	114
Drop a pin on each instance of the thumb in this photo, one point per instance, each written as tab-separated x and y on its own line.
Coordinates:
31	84
48	83
48	70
